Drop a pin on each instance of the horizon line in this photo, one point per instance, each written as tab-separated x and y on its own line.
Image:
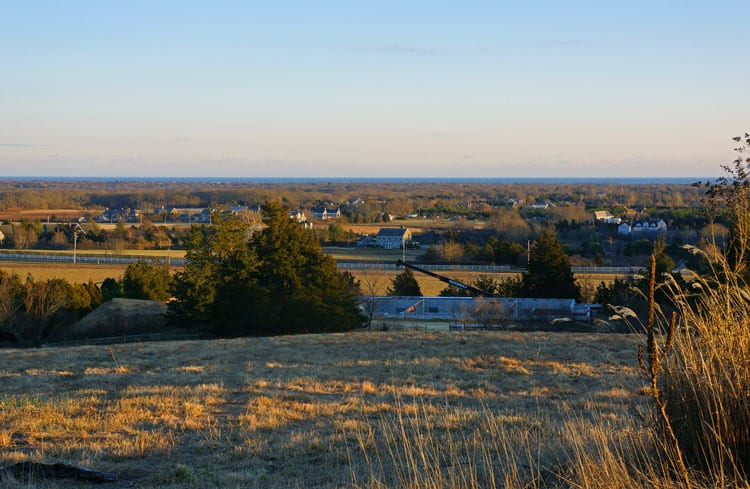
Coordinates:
207	178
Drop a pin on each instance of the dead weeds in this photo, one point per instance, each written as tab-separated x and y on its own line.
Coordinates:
287	411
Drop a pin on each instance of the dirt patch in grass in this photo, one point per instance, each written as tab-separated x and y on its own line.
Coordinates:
289	411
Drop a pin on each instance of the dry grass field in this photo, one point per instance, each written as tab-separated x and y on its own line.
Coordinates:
376	282
372	281
78	273
62	215
319	411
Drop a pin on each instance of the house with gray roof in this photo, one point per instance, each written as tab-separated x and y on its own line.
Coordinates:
393	238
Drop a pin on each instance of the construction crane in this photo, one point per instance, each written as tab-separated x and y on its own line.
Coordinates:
447	280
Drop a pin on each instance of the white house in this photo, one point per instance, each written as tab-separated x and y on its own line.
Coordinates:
649	227
297	215
393	238
324	214
642	228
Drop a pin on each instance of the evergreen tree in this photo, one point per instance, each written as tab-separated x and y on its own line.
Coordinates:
111	289
664	265
617	293
143	280
509	287
303	291
277	281
483	282
218	282
404	284
549	274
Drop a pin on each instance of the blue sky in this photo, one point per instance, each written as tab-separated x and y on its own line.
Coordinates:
371	89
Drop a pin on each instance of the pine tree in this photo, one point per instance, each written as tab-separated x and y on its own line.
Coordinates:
219	264
143	280
303	289
549	274
275	281
404	284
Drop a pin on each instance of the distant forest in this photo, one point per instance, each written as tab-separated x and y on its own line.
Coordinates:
469	199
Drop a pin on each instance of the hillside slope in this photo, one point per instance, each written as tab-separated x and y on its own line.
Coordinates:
291	411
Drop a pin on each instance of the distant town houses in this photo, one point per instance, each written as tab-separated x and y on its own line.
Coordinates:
198	216
393	238
539	205
183	214
642	228
300	217
118	215
325	213
297	215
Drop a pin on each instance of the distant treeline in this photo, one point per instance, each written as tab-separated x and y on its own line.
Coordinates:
359	201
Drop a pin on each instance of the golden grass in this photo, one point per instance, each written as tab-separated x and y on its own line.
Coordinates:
79	273
380	280
43	214
295	411
705	380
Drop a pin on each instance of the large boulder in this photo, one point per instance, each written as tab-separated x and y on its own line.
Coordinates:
121	317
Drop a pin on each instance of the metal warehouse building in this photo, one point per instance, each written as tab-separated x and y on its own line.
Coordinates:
461	308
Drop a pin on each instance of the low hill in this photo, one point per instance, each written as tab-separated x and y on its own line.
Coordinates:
120	317
313	411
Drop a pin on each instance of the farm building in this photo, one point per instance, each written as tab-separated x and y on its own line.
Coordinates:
393	238
472	308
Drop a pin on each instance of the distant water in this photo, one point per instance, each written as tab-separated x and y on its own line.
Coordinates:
283	180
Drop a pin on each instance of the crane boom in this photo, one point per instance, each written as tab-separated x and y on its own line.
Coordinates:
447	280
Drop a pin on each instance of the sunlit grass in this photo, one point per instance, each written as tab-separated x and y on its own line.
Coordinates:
292	411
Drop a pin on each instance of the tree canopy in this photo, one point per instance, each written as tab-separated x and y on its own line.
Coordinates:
404	284
273	281
29	308
549	273
144	280
505	287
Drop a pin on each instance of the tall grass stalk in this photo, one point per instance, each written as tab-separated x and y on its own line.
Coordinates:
698	435
706	381
413	450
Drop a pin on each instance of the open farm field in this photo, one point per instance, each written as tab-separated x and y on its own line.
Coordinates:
376	282
318	411
373	281
78	273
168	253
417	226
60	215
377	255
